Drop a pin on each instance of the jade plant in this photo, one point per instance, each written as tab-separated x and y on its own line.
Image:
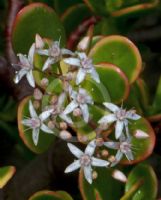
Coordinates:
89	92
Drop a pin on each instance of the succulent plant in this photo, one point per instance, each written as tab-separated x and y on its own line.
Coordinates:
89	89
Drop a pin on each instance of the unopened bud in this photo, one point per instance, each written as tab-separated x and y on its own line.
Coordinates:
139	134
83	44
104	153
36	104
82	138
51	125
118	175
39	42
44	82
112	158
65	135
63	125
94	175
54	99
77	112
37	94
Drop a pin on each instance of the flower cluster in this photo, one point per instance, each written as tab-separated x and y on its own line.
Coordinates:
72	101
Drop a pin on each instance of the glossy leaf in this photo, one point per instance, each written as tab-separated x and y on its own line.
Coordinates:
119	51
45	139
32	19
114	80
6	174
72	18
147	189
50	195
103	188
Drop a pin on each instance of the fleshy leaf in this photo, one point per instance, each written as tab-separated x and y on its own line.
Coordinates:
103	188
50	195
6	174
119	51
45	139
141	184
114	80
32	19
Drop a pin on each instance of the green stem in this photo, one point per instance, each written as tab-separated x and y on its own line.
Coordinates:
47	74
132	190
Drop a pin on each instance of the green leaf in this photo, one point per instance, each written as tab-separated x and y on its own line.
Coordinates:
103	188
147	189
51	195
6	174
32	19
71	18
119	51
45	139
157	98
114	80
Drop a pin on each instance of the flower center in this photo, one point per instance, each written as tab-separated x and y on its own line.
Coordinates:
125	147
35	123
86	63
81	98
85	160
55	51
121	114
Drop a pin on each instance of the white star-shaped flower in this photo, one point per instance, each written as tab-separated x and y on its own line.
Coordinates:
120	116
36	122
81	99
85	160
124	147
54	53
26	67
58	108
85	67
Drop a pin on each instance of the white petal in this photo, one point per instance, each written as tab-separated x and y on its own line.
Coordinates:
72	167
118	175
35	135
112	107
85	113
90	148
139	134
39	43
80	76
26	122
88	173
118	157
95	75
23	60
112	145
47	63
119	128
20	75
46	129
132	115
43	52
74	150
129	155
30	78
82	56
83	44
99	162
32	111
66	118
70	107
66	52
31	54
44	115
61	99
107	119
72	61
